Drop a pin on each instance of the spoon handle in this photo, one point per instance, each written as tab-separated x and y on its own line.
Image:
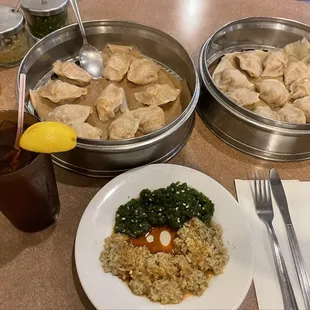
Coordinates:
18	6
79	19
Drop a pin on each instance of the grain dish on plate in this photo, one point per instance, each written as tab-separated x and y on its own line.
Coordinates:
274	84
166	271
136	95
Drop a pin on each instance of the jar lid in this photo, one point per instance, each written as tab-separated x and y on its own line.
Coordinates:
45	7
10	22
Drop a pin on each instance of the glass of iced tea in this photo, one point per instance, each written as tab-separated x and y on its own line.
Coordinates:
28	191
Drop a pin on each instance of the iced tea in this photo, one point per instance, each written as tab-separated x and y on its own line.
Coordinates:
28	191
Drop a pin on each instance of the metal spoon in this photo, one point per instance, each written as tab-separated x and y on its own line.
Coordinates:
90	58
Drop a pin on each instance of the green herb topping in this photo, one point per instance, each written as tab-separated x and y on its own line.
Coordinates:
171	206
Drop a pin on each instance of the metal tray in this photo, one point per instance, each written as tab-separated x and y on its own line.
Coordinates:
108	158
242	129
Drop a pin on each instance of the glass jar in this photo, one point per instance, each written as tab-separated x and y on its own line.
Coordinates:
14	43
45	16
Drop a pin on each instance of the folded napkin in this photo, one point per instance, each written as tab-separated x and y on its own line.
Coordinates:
265	277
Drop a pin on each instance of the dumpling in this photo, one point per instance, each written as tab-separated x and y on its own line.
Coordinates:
295	70
150	118
304	105
251	63
69	114
86	131
116	67
61	92
299	50
260	103
70	72
124	127
227	62
265	111
158	94
291	114
231	79
119	49
42	106
143	71
243	96
109	101
300	88
274	64
273	92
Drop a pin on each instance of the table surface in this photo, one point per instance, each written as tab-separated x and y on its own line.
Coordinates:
37	270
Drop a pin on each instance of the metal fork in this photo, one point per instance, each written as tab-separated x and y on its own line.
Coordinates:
264	210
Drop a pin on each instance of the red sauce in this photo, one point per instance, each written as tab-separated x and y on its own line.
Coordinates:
156	245
210	274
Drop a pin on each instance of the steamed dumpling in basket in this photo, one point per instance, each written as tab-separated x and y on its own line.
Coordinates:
71	73
61	92
157	94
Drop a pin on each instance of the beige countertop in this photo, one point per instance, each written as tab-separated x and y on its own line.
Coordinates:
37	270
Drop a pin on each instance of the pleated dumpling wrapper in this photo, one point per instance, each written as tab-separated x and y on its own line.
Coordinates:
243	96
124	127
265	111
111	99
41	105
150	118
275	64
157	94
71	73
300	88
227	62
61	92
295	70
143	71
273	92
304	105
87	131
251	63
119	49
291	114
69	114
299	50
116	67
231	79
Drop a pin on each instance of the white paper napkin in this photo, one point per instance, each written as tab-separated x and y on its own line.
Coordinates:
265	276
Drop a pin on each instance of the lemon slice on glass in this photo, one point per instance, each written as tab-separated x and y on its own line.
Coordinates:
48	137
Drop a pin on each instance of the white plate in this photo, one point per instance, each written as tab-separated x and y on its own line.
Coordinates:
105	291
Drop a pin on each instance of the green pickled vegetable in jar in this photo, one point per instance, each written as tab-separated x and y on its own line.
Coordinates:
45	16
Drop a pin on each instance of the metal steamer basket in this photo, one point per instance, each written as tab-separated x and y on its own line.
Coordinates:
238	127
108	158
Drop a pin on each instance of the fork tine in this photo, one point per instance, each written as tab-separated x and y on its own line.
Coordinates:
260	186
255	186
264	186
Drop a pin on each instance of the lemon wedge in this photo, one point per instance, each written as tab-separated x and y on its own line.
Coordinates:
48	137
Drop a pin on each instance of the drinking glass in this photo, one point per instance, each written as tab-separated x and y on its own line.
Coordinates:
28	194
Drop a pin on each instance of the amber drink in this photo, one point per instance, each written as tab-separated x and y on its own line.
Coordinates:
28	191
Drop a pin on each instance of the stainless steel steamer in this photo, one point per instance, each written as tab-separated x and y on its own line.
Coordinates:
238	127
108	158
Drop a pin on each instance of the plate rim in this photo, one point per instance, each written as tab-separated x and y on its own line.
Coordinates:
145	167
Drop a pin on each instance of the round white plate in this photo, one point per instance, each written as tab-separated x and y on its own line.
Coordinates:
105	291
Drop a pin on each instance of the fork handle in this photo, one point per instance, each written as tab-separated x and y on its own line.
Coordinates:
288	296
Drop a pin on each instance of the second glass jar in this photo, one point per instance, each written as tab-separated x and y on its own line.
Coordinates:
45	16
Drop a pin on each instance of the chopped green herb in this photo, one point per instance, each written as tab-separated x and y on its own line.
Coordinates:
172	206
40	26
